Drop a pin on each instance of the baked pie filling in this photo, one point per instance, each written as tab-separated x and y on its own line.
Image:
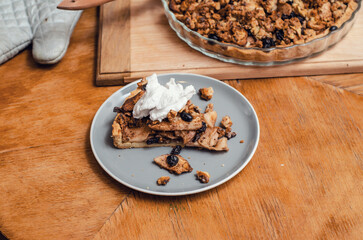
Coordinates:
190	126
263	23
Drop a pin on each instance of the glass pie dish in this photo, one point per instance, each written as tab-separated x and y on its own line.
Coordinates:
253	55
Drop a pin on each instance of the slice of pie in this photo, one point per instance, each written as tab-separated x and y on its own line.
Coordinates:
188	127
181	165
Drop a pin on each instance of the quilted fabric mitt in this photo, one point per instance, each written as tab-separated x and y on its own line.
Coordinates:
23	22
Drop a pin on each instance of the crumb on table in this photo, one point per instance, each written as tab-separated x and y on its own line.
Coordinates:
241	141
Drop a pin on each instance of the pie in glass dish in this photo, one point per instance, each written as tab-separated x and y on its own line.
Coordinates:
261	32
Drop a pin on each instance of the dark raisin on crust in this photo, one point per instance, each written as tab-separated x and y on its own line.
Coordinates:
301	19
117	109
268	42
186	116
152	140
172	160
280	34
196	137
203	128
231	135
214	37
249	32
284	17
333	28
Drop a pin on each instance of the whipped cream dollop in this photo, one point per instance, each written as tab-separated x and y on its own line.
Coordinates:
158	100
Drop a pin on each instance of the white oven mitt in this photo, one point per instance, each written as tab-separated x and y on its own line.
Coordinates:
23	22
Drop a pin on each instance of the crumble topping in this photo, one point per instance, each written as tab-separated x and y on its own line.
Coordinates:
262	23
163	180
206	93
203	177
226	122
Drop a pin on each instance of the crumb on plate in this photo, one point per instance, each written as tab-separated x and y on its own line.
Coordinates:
203	177
206	93
163	180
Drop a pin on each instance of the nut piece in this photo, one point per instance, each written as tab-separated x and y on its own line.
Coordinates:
206	93
226	122
172	116
163	180
203	177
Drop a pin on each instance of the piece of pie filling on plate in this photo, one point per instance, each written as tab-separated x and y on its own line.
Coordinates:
200	132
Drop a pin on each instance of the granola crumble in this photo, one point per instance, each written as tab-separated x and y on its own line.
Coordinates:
263	23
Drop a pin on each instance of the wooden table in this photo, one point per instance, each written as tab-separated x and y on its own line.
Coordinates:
304	182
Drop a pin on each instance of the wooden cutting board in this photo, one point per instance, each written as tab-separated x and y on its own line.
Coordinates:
135	40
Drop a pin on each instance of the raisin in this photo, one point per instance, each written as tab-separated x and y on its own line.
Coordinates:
172	160
231	135
268	42
196	137
152	140
249	32
203	128
186	116
214	37
293	14
333	28
280	34
117	109
284	17
176	150
301	19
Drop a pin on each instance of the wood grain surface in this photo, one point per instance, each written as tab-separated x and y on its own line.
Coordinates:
50	183
156	48
304	182
116	22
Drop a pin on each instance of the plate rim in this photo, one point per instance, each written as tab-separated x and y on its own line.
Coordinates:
184	192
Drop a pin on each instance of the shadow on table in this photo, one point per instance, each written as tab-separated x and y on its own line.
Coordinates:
97	169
